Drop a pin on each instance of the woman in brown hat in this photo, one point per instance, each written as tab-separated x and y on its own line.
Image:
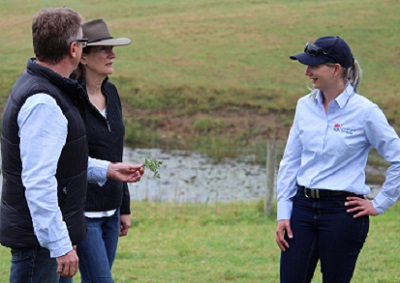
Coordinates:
107	209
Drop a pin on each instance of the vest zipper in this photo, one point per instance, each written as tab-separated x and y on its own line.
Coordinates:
108	126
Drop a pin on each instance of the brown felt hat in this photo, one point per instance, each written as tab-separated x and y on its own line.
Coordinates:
98	34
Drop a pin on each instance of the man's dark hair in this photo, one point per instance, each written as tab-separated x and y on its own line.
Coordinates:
53	30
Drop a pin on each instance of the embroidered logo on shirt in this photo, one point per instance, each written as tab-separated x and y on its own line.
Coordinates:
336	128
340	129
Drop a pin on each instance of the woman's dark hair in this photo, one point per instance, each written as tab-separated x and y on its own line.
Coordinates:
79	72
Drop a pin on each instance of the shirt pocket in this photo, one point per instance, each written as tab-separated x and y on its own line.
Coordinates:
350	138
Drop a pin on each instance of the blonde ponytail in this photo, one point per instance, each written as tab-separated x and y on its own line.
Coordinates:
354	74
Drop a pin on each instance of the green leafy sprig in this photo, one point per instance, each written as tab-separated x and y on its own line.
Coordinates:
153	165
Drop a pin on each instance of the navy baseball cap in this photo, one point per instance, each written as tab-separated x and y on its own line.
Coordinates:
326	49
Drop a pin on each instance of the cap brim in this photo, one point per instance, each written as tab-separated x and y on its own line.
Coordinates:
111	42
309	60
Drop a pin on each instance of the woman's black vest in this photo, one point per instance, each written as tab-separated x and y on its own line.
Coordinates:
16	228
106	141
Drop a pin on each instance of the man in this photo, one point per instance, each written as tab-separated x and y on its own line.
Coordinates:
45	157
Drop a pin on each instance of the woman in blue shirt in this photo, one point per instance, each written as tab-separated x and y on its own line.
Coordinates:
322	212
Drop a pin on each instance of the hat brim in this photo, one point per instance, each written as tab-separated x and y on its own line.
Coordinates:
111	42
309	60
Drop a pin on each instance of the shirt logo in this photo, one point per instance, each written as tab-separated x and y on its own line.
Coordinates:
340	129
336	128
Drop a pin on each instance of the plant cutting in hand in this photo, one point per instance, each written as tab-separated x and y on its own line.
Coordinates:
153	165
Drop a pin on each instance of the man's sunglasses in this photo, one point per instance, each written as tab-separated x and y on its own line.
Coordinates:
314	50
82	41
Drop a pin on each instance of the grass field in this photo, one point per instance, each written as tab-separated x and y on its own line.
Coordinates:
198	243
216	73
220	68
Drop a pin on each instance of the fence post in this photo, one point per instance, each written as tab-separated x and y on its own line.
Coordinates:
270	173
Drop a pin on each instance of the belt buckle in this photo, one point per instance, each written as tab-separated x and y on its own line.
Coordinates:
313	193
305	193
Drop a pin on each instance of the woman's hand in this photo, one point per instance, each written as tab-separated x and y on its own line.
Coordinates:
125	224
283	228
360	206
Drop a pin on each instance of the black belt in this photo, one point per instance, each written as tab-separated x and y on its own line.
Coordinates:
315	193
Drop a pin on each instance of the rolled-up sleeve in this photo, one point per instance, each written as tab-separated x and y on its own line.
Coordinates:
97	171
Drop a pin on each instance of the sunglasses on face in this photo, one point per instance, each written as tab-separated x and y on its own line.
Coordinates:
82	41
314	50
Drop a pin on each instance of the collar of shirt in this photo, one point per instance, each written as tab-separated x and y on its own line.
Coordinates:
342	98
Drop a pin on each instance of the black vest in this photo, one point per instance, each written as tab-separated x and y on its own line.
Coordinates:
106	142
16	228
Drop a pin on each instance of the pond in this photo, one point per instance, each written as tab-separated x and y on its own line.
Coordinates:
192	177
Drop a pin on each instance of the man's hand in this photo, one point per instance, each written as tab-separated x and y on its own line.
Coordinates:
125	172
282	228
360	206
125	222
68	263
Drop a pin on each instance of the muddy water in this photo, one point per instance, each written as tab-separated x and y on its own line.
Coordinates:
192	177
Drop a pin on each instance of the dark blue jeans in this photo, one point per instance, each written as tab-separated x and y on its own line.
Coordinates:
33	265
322	230
97	251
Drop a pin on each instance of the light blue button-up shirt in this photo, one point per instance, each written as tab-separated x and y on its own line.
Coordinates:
43	132
330	150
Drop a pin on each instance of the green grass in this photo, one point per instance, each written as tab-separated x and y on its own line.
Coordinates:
188	243
192	60
212	57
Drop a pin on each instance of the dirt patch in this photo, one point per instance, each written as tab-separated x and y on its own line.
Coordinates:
240	124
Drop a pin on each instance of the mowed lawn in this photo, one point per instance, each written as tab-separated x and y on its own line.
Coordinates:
205	56
188	243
